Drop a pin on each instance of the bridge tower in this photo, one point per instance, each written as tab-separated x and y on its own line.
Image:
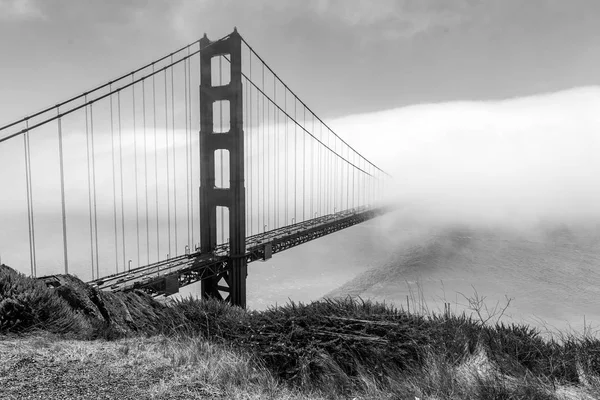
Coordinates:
233	281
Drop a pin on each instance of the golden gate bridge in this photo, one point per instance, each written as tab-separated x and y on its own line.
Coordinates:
183	170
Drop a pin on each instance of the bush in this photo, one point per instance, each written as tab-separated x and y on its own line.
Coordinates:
27	304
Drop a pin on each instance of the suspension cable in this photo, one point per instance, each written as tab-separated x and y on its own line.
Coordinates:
112	139
304	127
87	143
263	150
146	172
135	162
187	155
286	159
62	193
304	169
295	164
268	172
191	166
174	158
319	119
85	94
30	216
121	173
155	166
167	170
250	141
94	187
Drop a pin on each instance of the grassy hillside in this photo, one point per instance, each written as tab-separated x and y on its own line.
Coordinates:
77	342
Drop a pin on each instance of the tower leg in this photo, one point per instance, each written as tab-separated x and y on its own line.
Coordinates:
233	281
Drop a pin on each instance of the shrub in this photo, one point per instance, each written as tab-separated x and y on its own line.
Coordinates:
27	304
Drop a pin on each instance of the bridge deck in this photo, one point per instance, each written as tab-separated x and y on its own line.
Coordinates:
165	277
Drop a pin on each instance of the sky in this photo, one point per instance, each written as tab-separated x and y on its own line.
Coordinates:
341	56
477	108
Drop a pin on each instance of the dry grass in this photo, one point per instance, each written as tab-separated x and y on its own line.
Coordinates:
157	367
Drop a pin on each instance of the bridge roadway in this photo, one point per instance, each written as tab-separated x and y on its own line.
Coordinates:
166	277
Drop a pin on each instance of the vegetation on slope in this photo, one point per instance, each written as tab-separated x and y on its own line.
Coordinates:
331	348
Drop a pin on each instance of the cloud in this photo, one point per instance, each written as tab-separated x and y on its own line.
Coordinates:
391	19
519	160
20	10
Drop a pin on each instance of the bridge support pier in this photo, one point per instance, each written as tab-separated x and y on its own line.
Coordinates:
231	285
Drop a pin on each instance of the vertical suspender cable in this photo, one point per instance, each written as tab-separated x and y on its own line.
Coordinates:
94	187
259	161
29	188
112	140
268	157
334	177
365	200
353	179
368	185
135	168
304	137
348	180
245	133
62	192
155	165
249	154
360	182
191	166
264	199
146	172
174	160
313	146
276	156
330	176
295	163
122	186
354	185
187	152
321	169
199	161
364	184
286	159
319	178
341	173
326	175
87	143
167	169
338	176
322	174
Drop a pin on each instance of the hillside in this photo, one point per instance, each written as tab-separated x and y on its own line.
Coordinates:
76	342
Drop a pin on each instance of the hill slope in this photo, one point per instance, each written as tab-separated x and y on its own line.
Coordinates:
551	275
